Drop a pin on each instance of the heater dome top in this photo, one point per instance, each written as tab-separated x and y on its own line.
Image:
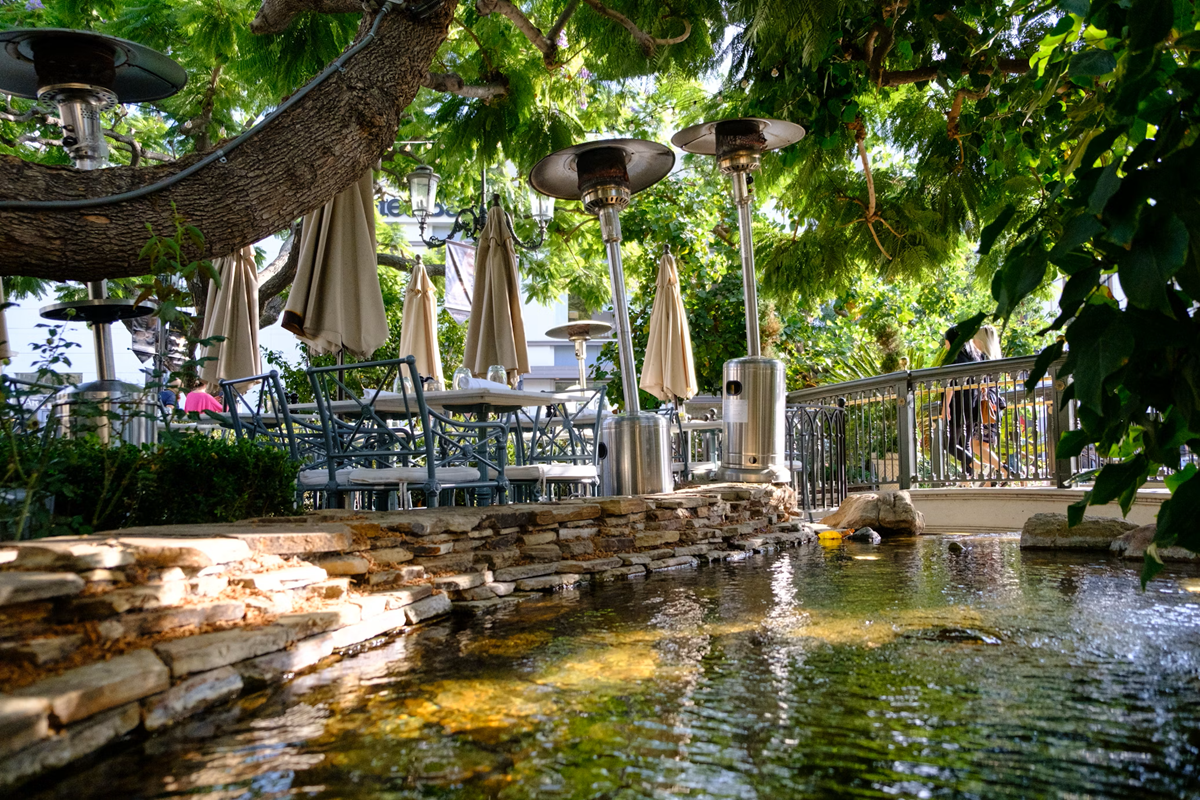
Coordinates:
771	134
646	163
34	58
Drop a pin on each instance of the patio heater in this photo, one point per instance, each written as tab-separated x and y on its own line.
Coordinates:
754	400
580	333
634	448
84	74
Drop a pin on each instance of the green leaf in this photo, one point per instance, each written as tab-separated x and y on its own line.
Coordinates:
1114	480
1092	64
1142	280
1079	8
1177	517
1078	230
1106	187
1042	364
995	228
1101	343
1174	480
1076	509
1071	443
1149	22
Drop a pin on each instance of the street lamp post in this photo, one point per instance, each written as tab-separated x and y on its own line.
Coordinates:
422	193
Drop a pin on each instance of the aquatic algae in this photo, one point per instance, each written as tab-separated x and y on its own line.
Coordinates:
512	646
884	626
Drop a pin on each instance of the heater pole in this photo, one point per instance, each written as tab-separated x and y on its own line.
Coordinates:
610	232
744	202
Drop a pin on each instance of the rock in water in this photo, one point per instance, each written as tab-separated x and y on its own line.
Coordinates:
1092	533
886	512
868	535
956	548
1134	543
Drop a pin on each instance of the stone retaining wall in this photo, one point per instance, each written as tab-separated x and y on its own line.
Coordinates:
139	629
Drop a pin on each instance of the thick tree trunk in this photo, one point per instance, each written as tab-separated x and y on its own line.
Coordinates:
295	164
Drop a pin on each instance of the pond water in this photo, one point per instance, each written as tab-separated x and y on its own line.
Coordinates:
901	670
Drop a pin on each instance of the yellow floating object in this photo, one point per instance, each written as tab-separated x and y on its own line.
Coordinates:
830	536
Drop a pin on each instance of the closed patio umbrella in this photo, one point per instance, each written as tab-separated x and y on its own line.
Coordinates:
418	325
669	370
496	333
335	303
232	312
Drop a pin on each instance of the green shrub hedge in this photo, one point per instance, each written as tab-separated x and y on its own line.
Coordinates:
187	478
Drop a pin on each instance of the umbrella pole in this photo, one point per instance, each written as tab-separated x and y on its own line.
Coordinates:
610	232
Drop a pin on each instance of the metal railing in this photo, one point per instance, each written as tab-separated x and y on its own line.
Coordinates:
815	438
966	423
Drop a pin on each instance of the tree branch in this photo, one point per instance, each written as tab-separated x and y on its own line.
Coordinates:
275	15
405	264
452	83
1008	66
278	276
197	127
545	44
647	42
956	107
561	22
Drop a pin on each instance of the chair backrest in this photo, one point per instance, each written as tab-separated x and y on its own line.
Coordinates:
264	419
24	401
355	431
565	435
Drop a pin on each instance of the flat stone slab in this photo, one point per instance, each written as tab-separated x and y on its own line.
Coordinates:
377	625
345	564
655	538
548	583
46	650
1133	544
674	561
467	580
85	691
406	596
621	572
692	550
501	588
75	742
298	542
274	667
211	650
313	622
386	556
166	619
192	695
621	506
162	551
283	579
76	553
634	558
23	721
135	598
595	565
523	571
493	604
432	606
25	587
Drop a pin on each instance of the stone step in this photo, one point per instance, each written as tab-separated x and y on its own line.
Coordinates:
548	583
274	667
25	587
75	742
79	693
524	571
406	596
46	650
594	565
208	651
674	561
192	695
622	572
311	623
433	606
283	579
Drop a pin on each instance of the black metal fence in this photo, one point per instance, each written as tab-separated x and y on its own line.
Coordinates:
816	453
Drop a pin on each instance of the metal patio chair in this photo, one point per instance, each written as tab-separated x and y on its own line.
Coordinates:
375	453
561	448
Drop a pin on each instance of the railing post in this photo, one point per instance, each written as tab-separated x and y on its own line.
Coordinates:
1062	419
905	428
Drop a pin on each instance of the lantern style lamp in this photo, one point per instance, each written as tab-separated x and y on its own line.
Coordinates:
422	192
754	397
634	448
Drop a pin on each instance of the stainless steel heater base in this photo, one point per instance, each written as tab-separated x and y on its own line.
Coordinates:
753	412
635	455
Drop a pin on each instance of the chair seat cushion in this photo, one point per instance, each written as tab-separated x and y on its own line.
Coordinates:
316	478
394	475
524	472
571	472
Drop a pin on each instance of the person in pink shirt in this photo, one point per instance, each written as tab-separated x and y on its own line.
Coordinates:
199	400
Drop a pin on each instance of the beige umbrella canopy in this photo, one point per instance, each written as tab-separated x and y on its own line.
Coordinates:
335	302
5	349
232	312
669	371
418	325
496	333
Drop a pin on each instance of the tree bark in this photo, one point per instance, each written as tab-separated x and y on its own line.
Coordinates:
294	164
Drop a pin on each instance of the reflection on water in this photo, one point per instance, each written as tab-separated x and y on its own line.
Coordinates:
902	670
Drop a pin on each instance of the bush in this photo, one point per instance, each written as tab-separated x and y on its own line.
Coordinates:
188	478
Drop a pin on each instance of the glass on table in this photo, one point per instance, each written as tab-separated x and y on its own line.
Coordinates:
497	374
462	376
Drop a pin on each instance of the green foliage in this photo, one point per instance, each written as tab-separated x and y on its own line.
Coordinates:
188	478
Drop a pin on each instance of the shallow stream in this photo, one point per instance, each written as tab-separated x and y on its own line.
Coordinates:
900	670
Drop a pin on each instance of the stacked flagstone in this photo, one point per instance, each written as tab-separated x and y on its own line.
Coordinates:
141	628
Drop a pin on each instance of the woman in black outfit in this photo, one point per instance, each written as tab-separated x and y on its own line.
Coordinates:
960	408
